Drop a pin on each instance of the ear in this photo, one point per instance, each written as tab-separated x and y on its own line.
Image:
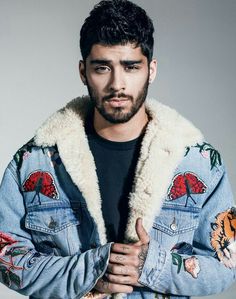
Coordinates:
152	70
82	71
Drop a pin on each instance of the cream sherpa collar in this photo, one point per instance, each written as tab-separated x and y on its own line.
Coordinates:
163	147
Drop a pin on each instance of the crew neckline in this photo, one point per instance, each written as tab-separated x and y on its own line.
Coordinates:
116	145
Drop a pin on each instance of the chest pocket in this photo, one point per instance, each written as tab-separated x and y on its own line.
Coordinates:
52	227
173	226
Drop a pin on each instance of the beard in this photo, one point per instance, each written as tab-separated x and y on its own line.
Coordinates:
117	115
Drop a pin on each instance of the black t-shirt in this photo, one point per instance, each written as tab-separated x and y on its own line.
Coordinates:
115	165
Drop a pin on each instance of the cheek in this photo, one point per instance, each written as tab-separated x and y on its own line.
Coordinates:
98	84
138	82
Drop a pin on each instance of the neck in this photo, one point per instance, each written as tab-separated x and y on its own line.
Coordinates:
121	132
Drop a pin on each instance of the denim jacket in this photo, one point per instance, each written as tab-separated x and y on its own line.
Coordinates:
52	234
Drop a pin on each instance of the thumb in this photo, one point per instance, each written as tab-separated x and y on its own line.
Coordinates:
141	232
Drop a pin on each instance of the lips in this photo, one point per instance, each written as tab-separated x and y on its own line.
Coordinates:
118	99
117	102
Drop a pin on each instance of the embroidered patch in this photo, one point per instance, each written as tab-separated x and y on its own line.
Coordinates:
7	264
5	242
183	248
41	182
26	155
187	150
24	152
190	265
223	237
186	184
208	151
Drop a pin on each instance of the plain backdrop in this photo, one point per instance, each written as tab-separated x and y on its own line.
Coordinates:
195	47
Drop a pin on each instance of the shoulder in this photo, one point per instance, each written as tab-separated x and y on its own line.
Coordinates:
23	152
197	175
32	153
205	160
205	157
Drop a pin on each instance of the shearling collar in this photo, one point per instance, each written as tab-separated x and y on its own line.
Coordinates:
163	147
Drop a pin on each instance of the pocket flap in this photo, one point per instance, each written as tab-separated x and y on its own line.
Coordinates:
173	222
50	220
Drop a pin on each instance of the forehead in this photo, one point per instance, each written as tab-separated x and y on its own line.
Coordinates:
116	52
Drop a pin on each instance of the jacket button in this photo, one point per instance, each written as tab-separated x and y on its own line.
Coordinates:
173	226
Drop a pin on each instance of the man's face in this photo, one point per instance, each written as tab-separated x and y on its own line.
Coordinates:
117	78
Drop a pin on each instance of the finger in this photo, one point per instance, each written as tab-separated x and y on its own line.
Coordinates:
118	258
121	279
95	295
108	287
124	280
141	232
121	248
99	296
121	270
126	260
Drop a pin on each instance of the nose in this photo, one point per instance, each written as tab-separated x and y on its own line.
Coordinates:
117	81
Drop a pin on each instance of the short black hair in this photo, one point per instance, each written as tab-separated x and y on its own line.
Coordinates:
113	22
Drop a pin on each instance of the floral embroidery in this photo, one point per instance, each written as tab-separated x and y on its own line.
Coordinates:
6	260
223	237
24	152
186	184
190	265
5	242
41	182
187	150
183	248
26	155
207	150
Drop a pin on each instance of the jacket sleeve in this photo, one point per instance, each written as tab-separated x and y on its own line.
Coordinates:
29	272
209	267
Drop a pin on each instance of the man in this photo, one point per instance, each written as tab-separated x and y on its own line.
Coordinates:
117	195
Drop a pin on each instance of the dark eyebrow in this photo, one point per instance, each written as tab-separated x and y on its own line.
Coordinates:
130	62
100	61
123	62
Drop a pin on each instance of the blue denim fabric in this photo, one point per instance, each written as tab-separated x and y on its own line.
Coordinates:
61	255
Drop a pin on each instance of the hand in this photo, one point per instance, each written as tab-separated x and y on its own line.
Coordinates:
127	260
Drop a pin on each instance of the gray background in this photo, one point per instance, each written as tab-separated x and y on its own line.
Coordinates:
195	47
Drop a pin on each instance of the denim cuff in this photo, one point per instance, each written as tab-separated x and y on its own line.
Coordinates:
153	265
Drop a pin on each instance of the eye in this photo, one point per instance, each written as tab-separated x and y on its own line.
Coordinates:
101	69
132	68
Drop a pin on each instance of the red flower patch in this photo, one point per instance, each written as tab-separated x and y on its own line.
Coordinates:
7	265
5	242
